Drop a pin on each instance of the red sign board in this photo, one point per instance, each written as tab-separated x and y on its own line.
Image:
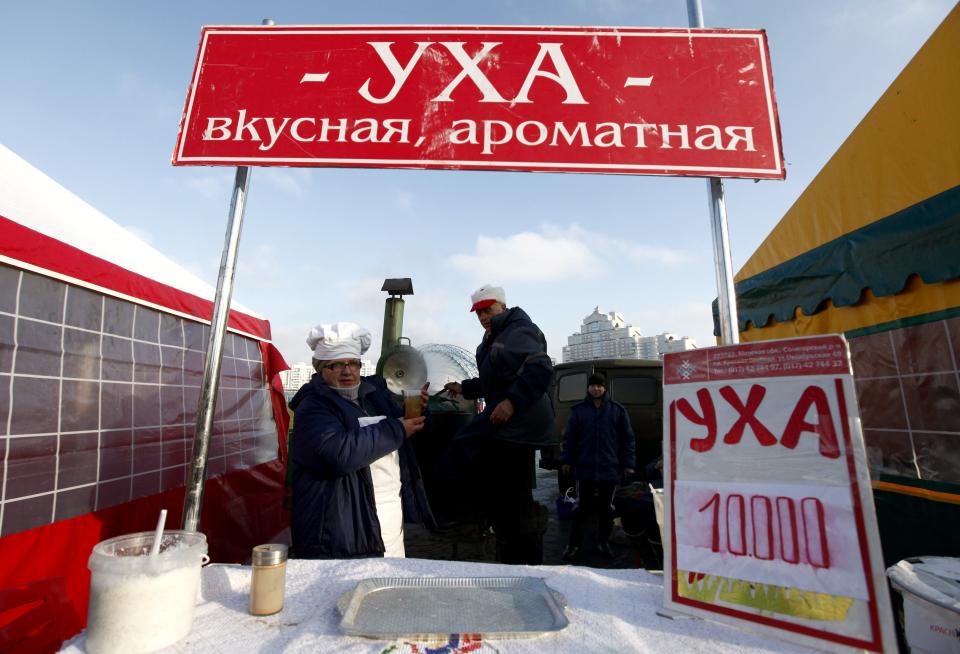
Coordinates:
695	102
768	507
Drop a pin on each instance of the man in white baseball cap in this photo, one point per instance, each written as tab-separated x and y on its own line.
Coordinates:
488	301
514	375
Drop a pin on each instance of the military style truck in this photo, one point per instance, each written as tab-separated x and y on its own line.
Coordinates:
637	384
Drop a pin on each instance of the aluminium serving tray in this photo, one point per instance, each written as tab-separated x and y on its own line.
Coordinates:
427	607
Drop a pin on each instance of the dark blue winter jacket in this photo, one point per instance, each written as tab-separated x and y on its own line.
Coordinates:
513	364
598	441
334	514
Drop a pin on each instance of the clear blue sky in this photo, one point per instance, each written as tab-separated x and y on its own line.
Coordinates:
93	92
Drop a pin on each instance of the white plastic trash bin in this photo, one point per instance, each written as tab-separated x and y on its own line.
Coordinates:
930	586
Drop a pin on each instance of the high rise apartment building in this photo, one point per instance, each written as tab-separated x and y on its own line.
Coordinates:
608	336
298	375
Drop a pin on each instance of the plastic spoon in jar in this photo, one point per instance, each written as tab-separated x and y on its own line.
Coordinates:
158	534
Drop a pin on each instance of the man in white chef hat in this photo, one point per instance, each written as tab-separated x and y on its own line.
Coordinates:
355	477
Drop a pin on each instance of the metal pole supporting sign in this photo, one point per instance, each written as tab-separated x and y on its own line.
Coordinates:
207	403
723	270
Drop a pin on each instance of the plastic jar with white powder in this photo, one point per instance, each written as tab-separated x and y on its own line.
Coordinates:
141	603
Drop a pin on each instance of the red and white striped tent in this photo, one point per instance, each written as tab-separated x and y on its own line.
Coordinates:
102	342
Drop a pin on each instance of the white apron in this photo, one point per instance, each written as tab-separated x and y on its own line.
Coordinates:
386	494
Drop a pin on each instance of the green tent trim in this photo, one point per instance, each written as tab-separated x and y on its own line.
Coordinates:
900	323
923	239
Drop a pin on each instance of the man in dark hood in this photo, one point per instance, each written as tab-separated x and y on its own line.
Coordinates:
515	373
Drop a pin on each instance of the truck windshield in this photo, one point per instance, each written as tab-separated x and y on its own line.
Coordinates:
633	390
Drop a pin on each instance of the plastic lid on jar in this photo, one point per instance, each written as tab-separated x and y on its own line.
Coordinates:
269	554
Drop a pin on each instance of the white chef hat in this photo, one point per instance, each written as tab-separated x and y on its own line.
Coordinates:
487	295
341	340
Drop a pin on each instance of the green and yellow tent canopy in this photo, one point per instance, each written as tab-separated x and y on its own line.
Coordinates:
873	243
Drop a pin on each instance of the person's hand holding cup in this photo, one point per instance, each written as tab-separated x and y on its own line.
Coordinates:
412	425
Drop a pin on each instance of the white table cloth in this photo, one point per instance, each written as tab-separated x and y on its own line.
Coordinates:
609	611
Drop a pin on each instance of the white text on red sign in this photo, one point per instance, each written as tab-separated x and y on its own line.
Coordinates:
585	99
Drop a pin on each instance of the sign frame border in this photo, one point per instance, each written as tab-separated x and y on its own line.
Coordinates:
777	171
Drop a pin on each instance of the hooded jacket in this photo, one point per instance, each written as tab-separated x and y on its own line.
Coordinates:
598	441
334	513
513	364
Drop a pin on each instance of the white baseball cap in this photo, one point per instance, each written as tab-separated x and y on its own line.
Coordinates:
487	295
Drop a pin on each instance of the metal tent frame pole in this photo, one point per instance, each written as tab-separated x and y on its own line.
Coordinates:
207	402
723	269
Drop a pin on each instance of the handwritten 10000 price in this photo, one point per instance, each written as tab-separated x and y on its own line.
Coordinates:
769	528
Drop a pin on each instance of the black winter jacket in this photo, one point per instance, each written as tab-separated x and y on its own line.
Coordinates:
598	441
334	514
513	363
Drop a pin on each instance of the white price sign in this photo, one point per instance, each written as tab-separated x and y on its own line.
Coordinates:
769	513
